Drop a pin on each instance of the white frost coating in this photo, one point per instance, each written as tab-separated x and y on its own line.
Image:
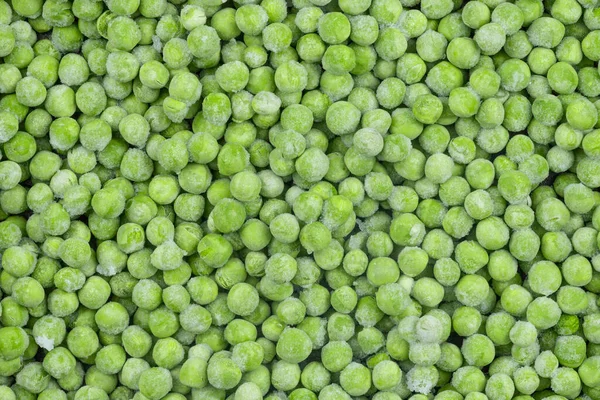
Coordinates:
426	188
201	350
421	379
22	31
410	18
265	103
248	390
517	76
561	159
345	330
156	43
10	175
331	225
334	391
321	339
384	91
240	359
5	133
557	385
357	240
429	329
416	231
407	328
280	395
61	181
45	342
295	147
368	185
360	288
192	16
406	282
539	37
253	57
210	224
107	270
69	283
26	90
525	354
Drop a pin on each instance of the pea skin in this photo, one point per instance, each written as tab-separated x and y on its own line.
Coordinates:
315	199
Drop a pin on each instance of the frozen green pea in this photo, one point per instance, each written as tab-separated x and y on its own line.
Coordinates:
490	38
427	109
410	68
475	14
462	52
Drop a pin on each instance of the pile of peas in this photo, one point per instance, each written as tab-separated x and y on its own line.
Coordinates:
299	200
